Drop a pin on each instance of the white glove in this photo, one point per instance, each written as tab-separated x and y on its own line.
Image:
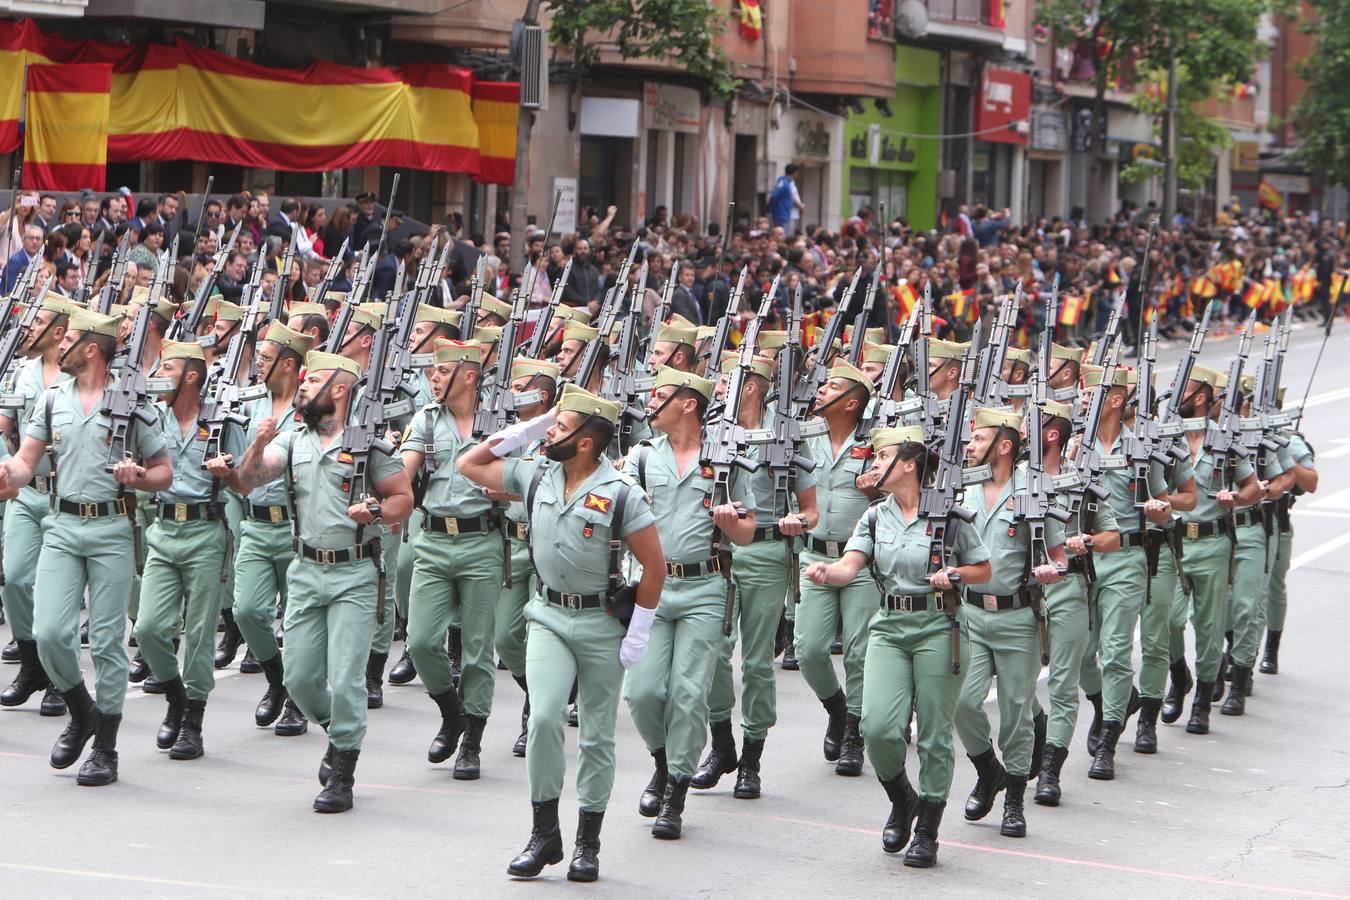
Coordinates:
634	645
518	435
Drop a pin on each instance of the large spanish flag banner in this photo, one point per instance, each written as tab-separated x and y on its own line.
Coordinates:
496	107
66	135
183	102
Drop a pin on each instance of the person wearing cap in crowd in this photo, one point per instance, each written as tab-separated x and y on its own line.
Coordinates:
527	376
1255	555
1016	369
1065	365
25	515
1277	599
576	337
1208	542
332	588
761	571
310	319
843	492
1118	593
909	640
188	554
88	542
674	346
493	312
944	367
457	558
1092	531
667	692
265	550
1001	626
164	312
576	504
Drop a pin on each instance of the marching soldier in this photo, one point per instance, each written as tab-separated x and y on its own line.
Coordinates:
909	641
576	336
1277	601
1001	626
674	346
89	541
841	497
188	554
761	575
265	542
331	615
457	557
26	514
667	692
579	508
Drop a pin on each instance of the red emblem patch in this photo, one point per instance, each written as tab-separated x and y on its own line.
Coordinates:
202	433
587	531
706	471
1012	531
597	503
344	458
861	452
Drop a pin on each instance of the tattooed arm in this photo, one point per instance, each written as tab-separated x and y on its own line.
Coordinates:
260	463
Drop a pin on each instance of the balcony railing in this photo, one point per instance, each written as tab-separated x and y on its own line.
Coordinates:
989	13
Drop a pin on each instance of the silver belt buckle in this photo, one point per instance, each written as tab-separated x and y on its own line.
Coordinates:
180	512
571	601
832	548
903	603
327	557
40	483
89	511
451	525
990	602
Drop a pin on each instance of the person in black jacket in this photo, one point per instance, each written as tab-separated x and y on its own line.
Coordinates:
583	284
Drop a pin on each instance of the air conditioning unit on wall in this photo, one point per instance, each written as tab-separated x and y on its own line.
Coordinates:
530	43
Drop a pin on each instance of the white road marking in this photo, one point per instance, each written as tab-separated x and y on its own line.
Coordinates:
1336	452
145	879
1319	551
1336	500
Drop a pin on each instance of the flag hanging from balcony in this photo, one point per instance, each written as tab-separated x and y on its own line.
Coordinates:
751	19
170	102
66	127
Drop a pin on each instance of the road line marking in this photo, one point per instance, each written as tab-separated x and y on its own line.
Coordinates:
1319	551
147	879
1336	500
1322	514
1067	860
1337	452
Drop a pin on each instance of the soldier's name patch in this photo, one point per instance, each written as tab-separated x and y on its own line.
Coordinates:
597	503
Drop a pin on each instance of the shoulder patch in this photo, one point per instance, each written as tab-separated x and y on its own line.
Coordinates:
599	504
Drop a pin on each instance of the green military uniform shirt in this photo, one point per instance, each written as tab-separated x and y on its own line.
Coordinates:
192	483
899	552
1006	539
321	478
1118	479
28	384
840	503
448	493
1208	481
274	492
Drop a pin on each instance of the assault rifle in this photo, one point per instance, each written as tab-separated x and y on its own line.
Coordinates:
91	261
1084	488
365	271
1224	442
1109	335
816	371
184	325
1036	503
888	409
117	271
321	290
989	376
545	321
855	345
940	499
624	385
721	338
783	454
604	324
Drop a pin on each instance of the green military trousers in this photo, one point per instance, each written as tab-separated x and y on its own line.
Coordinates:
667	692
1206	582
265	553
1004	647
182	583
761	575
1247	600
511	625
909	659
146	513
392	554
79	553
235	511
330	623
1118	599
1155	628
1277	600
22	536
821	607
566	645
455	576
1066	611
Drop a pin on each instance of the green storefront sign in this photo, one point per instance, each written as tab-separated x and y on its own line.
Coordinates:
884	163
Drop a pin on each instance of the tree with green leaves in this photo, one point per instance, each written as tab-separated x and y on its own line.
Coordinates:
685	31
1199	137
1322	115
1215	39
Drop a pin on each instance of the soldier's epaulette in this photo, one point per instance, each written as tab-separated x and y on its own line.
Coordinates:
627	479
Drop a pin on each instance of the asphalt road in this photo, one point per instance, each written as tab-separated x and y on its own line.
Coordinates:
1259	807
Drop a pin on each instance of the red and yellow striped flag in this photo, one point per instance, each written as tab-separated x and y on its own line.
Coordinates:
963	305
1255	294
1337	283
905	298
66	128
1071	308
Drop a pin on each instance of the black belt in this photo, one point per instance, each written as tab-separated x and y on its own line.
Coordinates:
694	570
904	603
451	525
1132	539
41	484
520	531
1247	517
767	533
116	507
346	554
833	549
996	602
1193	530
191	512
274	514
1078	565
574	601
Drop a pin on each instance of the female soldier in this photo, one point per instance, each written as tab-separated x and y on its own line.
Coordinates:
909	640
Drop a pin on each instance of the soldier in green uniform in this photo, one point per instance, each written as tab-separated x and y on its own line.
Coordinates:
1093	530
761	573
187	556
674	346
576	337
1001	625
667	692
88	541
457	557
1277	602
526	375
1209	540
579	509
310	319
332	585
909	644
1118	595
840	459
265	542
25	515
